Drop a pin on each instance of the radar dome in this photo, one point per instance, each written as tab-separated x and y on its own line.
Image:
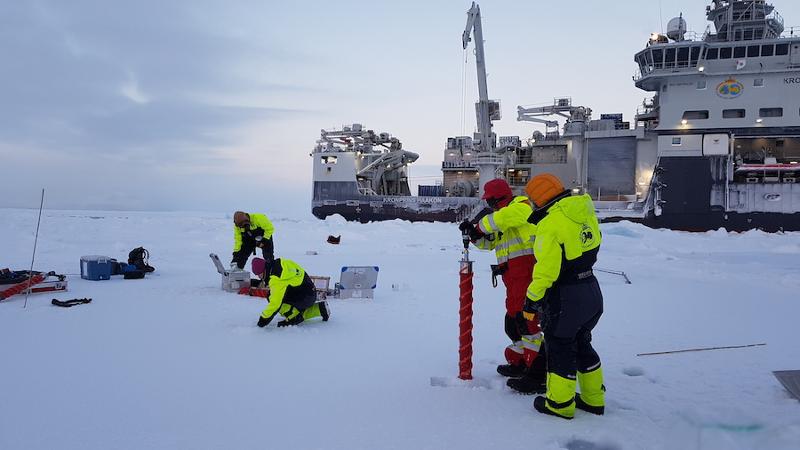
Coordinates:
676	29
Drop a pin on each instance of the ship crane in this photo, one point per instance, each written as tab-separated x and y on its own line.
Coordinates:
485	142
560	107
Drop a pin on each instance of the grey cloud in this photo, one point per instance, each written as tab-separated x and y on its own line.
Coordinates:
67	63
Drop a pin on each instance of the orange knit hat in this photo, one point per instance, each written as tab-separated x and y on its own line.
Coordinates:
542	188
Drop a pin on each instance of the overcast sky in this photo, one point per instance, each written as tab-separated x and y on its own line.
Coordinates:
215	105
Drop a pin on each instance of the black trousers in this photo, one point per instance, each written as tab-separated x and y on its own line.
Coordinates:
303	296
249	246
570	312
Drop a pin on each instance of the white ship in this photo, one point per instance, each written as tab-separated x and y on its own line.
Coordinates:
718	145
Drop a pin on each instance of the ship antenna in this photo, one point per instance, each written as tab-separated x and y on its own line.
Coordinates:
660	17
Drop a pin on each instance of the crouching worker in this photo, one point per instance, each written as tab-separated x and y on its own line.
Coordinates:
291	294
506	231
566	293
251	231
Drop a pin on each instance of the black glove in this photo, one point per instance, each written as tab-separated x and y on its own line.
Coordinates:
262	321
470	229
297	320
530	308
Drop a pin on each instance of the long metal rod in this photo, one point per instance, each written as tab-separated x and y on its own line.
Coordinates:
702	349
614	272
33	256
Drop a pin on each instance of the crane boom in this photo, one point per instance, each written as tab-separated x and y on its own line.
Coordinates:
482	111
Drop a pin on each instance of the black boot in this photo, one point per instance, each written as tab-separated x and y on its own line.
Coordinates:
324	311
540	404
511	370
528	384
580	404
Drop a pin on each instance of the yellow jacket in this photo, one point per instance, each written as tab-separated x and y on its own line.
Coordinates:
290	275
567	241
256	221
507	230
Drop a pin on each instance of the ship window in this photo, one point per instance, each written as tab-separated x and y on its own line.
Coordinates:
676	141
658	58
329	160
701	84
733	113
770	112
781	49
649	60
767	50
725	53
695	115
669	61
695	55
753	51
758	82
683	57
748	34
712	53
739	52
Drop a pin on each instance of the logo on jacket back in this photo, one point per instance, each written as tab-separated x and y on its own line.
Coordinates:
587	235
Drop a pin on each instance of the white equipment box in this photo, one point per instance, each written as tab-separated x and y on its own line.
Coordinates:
358	281
232	280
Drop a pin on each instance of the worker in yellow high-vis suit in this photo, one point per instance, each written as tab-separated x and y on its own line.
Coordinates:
291	294
506	231
566	294
251	231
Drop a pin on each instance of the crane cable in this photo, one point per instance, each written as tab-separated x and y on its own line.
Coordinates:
464	93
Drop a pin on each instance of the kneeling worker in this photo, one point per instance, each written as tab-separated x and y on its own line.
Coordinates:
291	294
251	231
566	293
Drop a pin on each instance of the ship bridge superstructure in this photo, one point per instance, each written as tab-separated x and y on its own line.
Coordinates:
743	74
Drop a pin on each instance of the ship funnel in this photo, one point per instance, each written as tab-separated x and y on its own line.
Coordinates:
676	28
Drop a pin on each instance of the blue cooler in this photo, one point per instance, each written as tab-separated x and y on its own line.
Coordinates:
94	267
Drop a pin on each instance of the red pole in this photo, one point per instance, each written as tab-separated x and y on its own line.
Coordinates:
465	320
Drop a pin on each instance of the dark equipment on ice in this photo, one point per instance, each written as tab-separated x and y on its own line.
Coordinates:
19	281
71	303
334	239
140	258
790	379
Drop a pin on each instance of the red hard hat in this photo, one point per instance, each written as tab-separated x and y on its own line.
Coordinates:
497	189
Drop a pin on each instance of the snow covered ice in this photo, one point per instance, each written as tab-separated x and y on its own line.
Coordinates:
172	361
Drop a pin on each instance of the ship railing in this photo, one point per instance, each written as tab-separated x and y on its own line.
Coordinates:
488	158
791	32
366	191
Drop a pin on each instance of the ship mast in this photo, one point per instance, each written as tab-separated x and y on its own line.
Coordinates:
486	110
